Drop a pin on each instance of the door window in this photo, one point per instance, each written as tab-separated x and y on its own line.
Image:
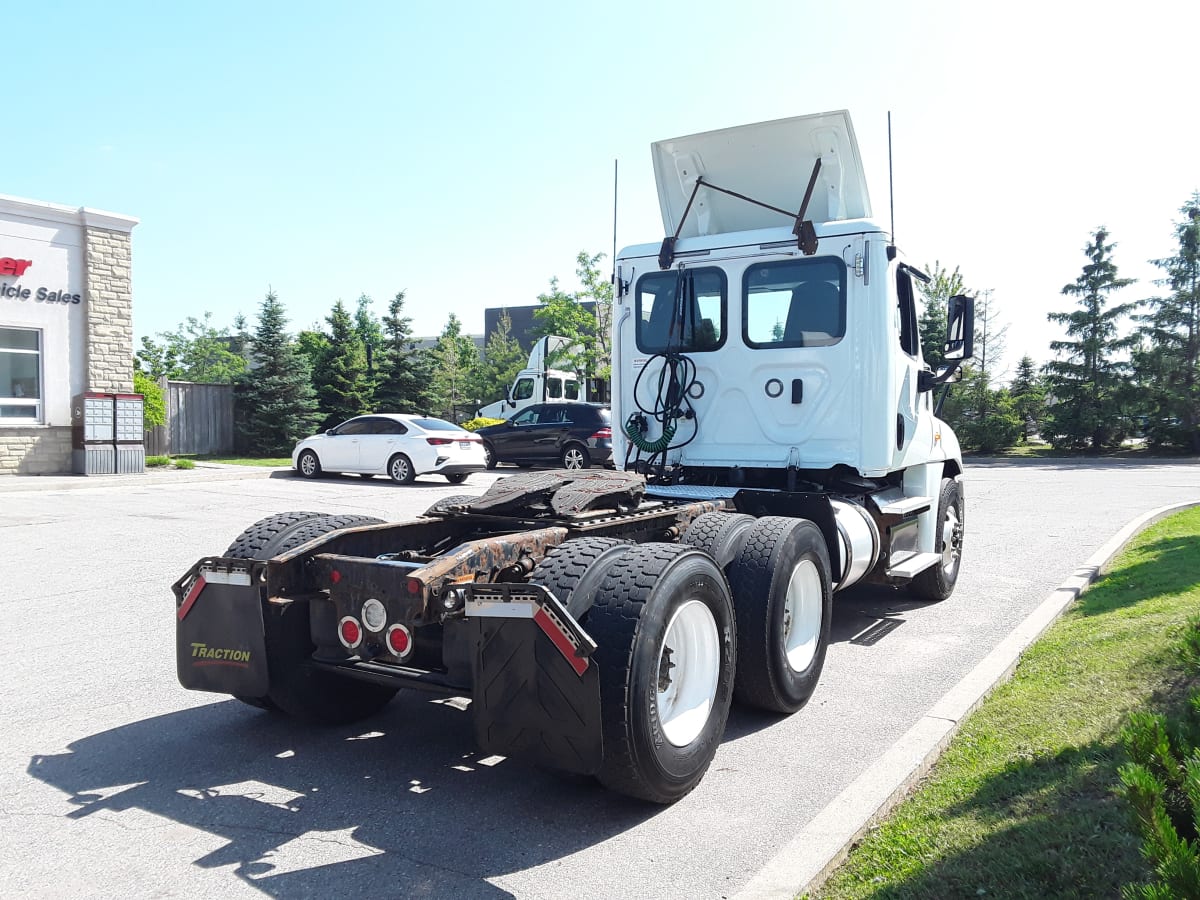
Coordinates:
523	390
554	388
526	416
354	426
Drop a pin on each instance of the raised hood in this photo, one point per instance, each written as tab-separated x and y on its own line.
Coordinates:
768	161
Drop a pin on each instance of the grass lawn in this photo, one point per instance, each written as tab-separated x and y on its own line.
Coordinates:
1023	803
272	461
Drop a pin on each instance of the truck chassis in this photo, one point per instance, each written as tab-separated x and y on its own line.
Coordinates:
597	630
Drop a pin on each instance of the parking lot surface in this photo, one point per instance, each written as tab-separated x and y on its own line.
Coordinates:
116	782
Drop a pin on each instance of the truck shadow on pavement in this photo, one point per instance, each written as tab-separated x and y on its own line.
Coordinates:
400	800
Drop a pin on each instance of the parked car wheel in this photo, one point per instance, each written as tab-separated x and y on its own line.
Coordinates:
400	469
457	479
490	453
575	456
308	465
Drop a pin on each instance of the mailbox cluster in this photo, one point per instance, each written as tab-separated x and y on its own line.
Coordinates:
108	437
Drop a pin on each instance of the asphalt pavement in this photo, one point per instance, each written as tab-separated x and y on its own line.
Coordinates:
115	782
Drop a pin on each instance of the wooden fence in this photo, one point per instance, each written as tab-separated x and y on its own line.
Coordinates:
199	419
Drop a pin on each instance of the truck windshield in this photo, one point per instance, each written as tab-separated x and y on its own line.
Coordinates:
795	303
681	310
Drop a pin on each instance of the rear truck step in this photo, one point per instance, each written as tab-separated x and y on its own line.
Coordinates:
905	506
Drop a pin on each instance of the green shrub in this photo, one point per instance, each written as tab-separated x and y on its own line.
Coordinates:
154	461
1162	785
480	422
184	464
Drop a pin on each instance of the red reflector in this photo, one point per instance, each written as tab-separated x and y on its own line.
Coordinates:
437	442
414	586
350	632
604	434
399	640
335	576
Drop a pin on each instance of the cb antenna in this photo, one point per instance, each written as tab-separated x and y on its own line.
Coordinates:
614	250
891	189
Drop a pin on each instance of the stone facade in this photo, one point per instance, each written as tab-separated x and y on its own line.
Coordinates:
109	310
35	450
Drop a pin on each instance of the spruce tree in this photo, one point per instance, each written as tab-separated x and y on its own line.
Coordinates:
274	402
1029	397
942	285
503	359
370	332
1088	380
455	360
343	389
404	370
1168	363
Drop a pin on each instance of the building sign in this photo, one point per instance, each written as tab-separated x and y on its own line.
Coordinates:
15	268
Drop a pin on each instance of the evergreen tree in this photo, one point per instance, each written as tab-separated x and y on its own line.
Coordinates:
314	345
405	371
503	359
343	389
455	360
274	403
1168	361
370	332
1029	397
1087	382
942	286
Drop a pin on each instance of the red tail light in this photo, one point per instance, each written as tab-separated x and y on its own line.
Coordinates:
438	442
349	632
604	434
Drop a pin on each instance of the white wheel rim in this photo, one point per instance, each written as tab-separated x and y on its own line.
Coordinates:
949	542
689	664
574	459
399	470
306	464
802	615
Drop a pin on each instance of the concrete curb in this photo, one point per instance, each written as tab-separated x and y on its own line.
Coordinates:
822	845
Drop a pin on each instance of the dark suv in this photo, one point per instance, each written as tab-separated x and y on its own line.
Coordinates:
571	435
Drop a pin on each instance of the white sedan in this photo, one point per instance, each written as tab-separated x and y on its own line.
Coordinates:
399	446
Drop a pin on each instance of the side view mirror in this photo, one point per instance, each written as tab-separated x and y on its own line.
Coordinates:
330	432
960	329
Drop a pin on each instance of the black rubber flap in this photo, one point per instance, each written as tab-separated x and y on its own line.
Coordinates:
219	644
529	701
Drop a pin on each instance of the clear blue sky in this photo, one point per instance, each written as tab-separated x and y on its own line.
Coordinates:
464	151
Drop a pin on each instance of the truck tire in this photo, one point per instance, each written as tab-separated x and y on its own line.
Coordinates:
937	582
663	621
573	570
257	536
719	534
296	688
446	502
784	603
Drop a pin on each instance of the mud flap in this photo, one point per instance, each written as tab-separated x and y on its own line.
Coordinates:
536	689
219	642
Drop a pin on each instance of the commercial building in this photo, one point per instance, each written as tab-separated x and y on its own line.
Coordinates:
66	325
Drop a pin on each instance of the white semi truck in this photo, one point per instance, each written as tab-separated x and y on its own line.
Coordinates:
779	444
538	382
